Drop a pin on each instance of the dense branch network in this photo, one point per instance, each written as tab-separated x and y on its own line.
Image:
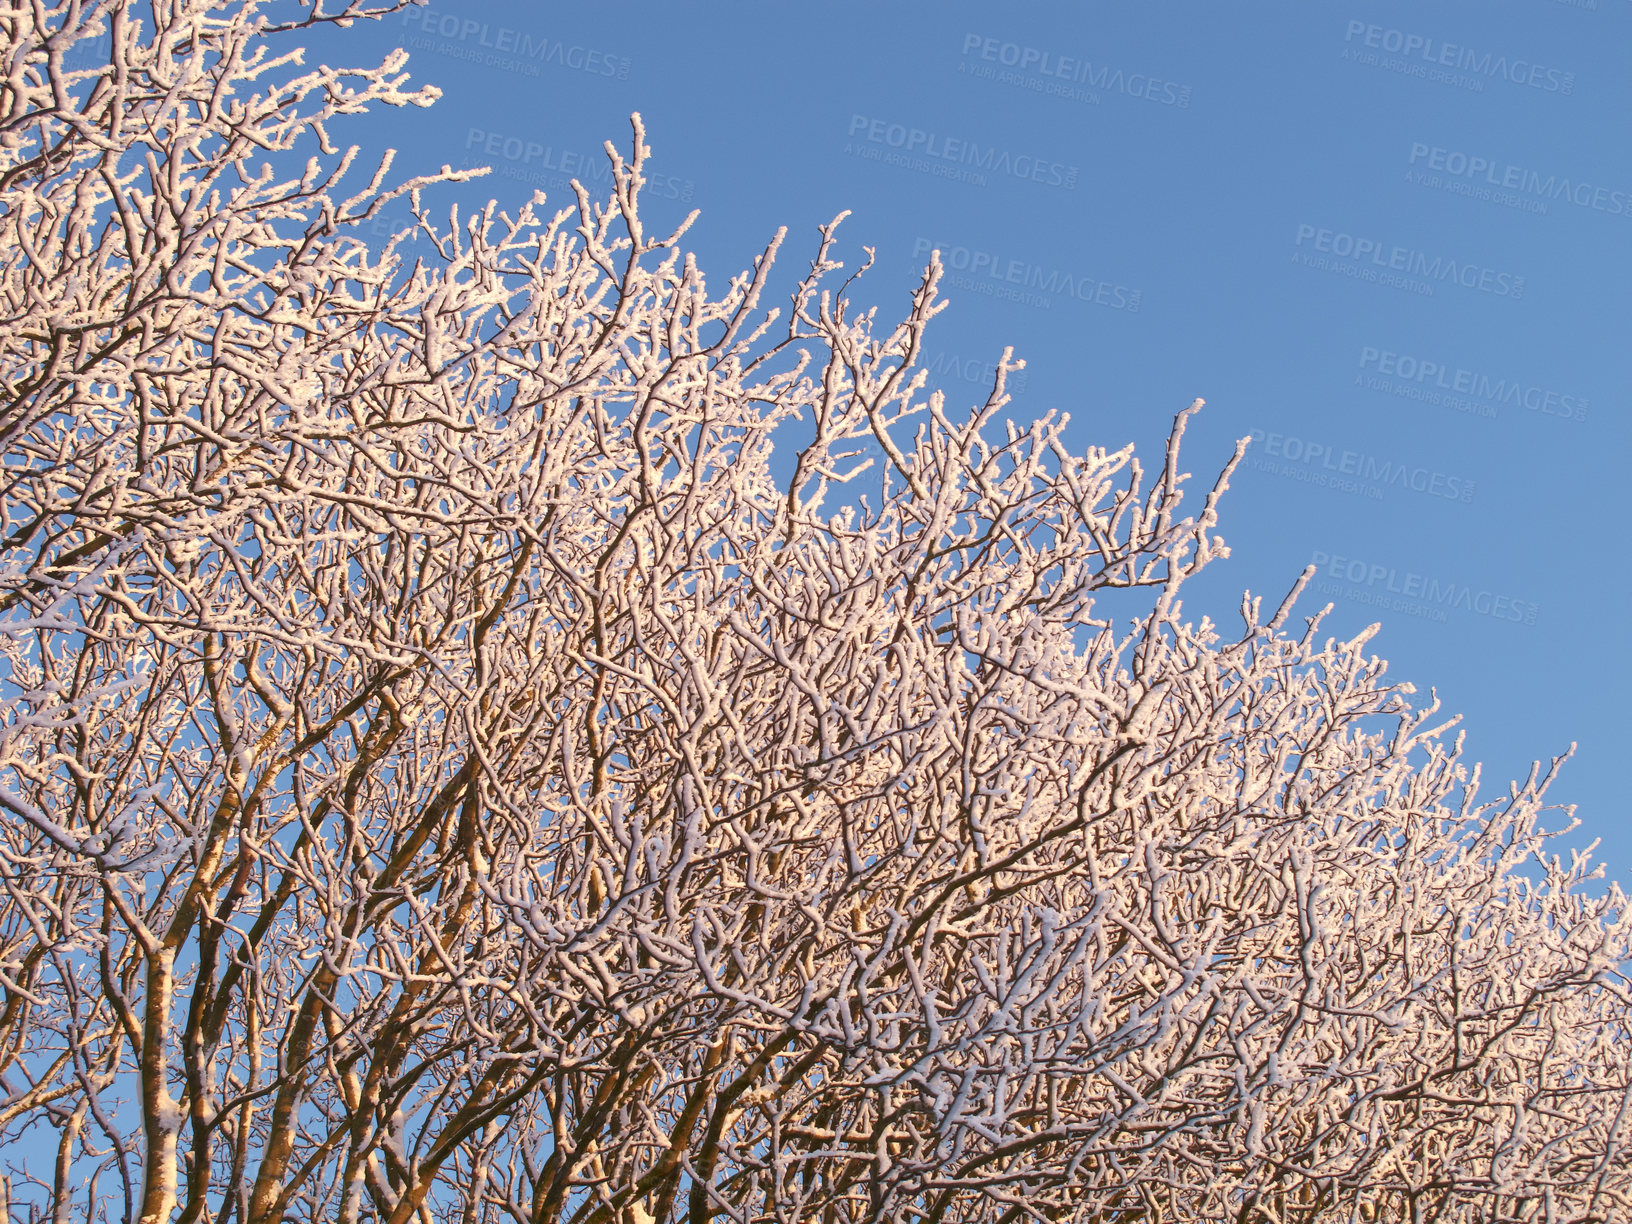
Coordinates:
446	776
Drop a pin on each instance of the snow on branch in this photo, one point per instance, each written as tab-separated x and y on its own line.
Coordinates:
445	775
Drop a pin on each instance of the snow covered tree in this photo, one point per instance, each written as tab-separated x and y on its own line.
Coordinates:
447	777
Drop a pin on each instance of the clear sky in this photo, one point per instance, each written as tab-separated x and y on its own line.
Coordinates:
1393	241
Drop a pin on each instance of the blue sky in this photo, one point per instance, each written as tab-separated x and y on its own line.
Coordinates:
1392	241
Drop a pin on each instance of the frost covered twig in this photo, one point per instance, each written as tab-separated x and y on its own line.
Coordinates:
445	776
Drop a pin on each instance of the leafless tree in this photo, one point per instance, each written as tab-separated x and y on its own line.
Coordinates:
447	777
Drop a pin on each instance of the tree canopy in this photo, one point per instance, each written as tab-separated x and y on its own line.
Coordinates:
446	775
